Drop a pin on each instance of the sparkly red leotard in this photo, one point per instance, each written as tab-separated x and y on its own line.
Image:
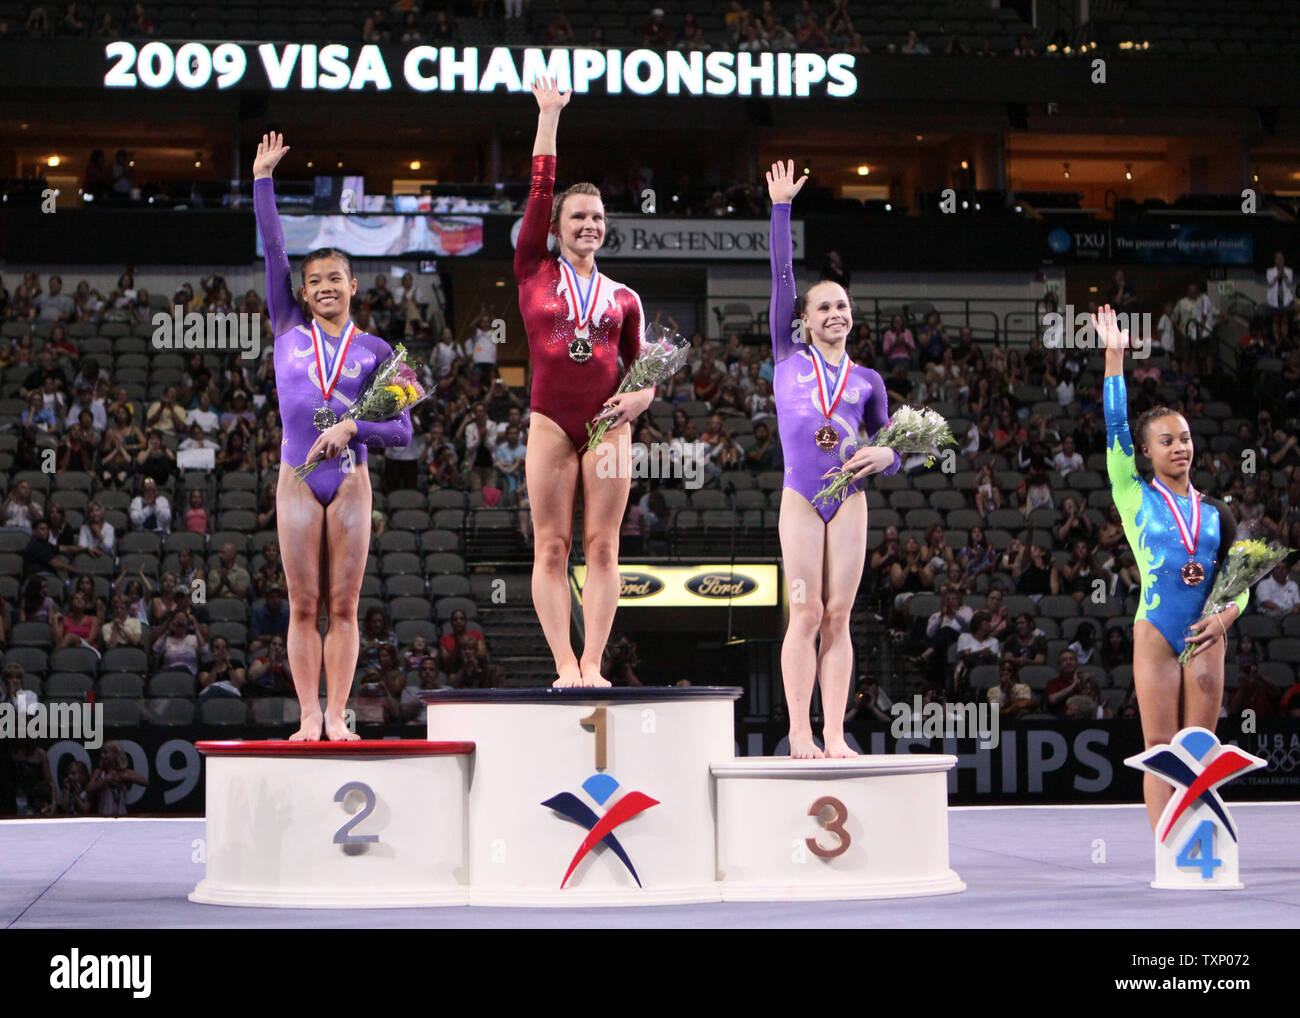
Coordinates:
568	392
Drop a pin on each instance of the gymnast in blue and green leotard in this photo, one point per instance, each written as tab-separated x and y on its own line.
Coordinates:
1177	556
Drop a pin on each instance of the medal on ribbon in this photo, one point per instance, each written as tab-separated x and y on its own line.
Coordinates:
328	372
827	436
1192	573
584	305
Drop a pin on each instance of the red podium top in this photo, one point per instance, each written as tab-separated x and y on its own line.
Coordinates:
361	747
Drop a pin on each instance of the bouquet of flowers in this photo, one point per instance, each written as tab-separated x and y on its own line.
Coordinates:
909	431
663	352
392	388
1247	563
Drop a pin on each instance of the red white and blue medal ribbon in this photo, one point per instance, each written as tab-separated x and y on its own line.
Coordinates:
830	397
329	376
583	305
1190	537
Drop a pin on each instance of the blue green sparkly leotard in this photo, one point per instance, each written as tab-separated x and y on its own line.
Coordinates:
1166	601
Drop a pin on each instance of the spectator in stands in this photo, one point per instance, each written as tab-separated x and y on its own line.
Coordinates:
155	461
375	632
988	496
222	677
1067	683
240	416
166	415
197	440
62	536
1281	296
150	510
97	536
1034	574
268	673
942	630
1068	459
899	344
42	557
655	32
1035	492
938	555
887	554
914	45
910	574
268	619
977	556
180	643
375	27
138	603
266	505
122	629
559	30
1085	644
56	306
978	646
897	384
1121	294
999	618
35	604
510	459
271	572
1073	525
1194	316
229	578
459	628
1027	645
1117	649
20	510
1254	693
196	515
76	627
765	453
73	798
1277	594
480	435
236	455
871	702
139	23
77	450
111	783
202	414
170	596
1081	573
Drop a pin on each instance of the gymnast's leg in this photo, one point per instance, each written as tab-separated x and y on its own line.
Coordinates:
846	534
1157	677
347	529
606	479
299	521
551	467
803	541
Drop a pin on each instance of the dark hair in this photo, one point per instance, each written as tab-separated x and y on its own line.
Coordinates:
1155	413
801	302
322	253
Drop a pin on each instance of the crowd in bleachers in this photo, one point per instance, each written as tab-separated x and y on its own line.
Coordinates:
131	474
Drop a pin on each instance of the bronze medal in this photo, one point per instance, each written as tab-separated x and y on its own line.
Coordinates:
827	438
324	418
1193	573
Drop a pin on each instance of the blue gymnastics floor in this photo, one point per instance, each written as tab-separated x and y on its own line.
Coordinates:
1024	867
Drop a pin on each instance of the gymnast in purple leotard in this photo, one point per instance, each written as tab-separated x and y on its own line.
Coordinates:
822	401
321	364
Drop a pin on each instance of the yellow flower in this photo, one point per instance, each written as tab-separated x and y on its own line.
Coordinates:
411	394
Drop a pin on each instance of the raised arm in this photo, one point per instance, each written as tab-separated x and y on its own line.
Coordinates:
530	250
1125	483
281	304
781	188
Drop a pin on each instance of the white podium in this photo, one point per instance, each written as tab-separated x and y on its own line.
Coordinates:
1195	838
370	824
585	796
870	827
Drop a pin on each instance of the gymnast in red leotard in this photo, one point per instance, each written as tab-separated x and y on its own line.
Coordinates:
579	323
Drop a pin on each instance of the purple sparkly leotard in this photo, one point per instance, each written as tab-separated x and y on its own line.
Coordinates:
798	408
297	377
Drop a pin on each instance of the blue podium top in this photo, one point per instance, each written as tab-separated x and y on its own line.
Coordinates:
582	694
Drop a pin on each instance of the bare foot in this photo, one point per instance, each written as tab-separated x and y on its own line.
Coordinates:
570	675
591	675
309	730
802	747
838	749
337	731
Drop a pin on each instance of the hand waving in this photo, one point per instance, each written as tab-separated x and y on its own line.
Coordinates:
270	150
549	98
781	185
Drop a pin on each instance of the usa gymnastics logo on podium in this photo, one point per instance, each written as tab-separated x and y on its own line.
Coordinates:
1196	841
600	828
